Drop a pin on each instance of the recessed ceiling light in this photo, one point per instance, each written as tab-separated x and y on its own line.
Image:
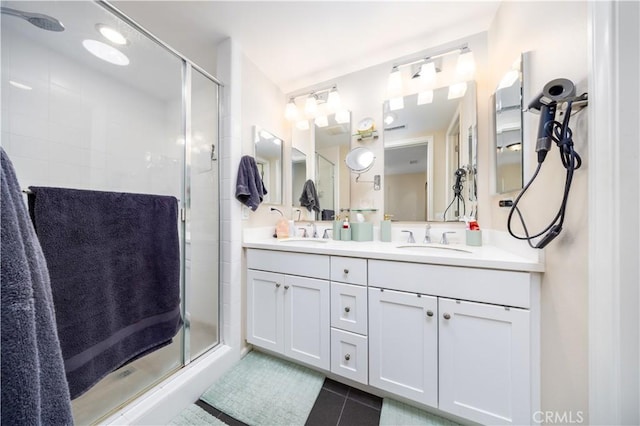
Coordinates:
111	34
106	52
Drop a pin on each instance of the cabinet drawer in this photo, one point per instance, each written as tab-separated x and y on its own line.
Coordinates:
349	307
349	270
349	355
302	264
508	288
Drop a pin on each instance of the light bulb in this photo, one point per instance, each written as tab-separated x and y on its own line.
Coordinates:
389	118
333	100
427	75
466	65
291	110
311	106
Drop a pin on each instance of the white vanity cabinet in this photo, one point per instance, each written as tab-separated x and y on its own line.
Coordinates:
289	314
403	344
468	358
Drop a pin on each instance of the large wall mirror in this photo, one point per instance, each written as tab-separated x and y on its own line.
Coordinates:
332	177
268	155
508	129
430	153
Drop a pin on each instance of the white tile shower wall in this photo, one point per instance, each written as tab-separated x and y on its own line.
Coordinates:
78	128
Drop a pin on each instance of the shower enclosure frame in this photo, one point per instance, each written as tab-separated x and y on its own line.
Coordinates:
185	199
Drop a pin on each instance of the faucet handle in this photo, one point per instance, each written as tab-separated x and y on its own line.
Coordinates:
325	234
444	239
410	239
427	235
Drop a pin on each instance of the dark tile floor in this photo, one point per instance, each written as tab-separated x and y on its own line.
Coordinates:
336	405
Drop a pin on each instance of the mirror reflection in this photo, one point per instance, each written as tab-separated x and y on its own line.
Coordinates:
430	157
298	173
332	176
508	130
268	155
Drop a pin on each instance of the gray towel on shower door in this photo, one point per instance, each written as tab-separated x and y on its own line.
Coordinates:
34	388
114	262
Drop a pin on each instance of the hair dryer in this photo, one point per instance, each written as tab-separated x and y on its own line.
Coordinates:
558	90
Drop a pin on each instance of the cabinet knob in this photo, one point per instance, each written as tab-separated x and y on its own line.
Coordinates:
347	309
286	287
347	357
277	285
346	271
429	313
446	316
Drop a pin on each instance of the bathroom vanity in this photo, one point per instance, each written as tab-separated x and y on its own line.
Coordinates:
449	330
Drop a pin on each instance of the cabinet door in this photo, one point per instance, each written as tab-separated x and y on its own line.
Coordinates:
306	320
265	309
484	362
403	339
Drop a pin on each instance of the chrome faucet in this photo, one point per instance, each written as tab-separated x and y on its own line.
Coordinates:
410	239
444	240
427	234
304	232
325	234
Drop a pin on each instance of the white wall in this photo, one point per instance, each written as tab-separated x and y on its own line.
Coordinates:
556	34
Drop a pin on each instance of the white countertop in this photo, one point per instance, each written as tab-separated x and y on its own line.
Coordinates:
486	256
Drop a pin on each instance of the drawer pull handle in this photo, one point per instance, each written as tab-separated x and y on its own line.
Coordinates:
429	313
346	271
277	285
347	357
286	287
446	316
347	309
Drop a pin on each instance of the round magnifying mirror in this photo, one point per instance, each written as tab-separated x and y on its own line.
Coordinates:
360	159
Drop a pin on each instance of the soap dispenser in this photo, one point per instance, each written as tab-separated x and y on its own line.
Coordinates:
385	228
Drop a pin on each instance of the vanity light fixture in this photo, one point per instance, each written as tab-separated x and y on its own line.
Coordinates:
111	34
318	103
426	76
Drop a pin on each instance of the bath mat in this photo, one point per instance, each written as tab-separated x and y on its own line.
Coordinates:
396	413
195	416
264	390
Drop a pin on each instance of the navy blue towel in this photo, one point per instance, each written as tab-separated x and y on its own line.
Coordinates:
114	262
34	388
250	189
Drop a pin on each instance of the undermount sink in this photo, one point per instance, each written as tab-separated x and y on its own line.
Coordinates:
303	240
427	247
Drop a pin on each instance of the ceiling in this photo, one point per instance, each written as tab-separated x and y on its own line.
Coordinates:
300	43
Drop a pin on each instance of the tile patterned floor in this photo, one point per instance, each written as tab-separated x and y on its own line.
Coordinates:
336	405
